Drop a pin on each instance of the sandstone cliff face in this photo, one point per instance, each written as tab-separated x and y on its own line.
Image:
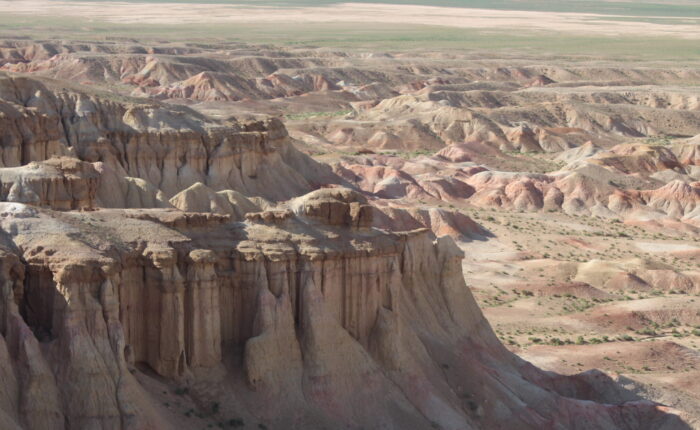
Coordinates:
306	316
169	149
350	322
59	183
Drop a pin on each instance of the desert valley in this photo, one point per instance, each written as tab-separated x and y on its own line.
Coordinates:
349	215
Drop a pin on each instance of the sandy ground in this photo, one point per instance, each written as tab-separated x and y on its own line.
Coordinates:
190	13
646	338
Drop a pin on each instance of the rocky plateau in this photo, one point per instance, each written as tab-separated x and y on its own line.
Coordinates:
199	235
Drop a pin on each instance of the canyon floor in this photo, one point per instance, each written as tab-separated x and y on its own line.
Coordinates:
562	160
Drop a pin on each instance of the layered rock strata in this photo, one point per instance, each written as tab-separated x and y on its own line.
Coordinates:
306	315
151	147
352	322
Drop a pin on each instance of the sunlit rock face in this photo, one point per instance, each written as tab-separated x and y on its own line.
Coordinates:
142	242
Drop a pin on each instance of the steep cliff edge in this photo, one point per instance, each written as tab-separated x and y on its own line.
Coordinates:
146	145
298	316
345	322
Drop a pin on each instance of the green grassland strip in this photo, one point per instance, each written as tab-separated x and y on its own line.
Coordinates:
364	36
649	8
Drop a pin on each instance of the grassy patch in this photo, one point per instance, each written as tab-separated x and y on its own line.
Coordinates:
644	8
311	115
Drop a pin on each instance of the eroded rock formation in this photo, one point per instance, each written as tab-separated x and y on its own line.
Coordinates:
306	316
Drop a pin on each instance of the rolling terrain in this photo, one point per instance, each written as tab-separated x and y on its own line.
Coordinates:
222	233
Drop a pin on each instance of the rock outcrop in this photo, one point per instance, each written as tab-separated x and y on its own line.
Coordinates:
169	148
278	301
594	182
58	183
318	309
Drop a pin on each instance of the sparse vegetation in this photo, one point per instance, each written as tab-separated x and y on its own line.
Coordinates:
317	115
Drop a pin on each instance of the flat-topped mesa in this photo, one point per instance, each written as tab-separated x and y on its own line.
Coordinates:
316	313
175	305
169	148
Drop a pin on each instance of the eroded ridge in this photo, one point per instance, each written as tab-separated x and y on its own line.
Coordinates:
149	251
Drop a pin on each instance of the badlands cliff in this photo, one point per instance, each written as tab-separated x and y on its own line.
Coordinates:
146	248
